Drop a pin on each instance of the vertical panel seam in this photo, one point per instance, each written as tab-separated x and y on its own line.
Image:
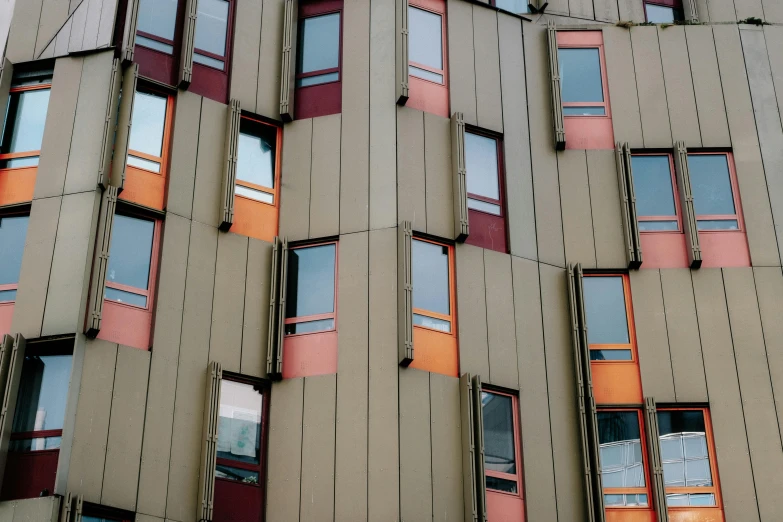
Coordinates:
195	167
51	262
720	81
668	337
530	147
143	424
500	77
592	218
636	81
774	86
367	416
560	205
698	330
693	85
108	426
244	300
665	92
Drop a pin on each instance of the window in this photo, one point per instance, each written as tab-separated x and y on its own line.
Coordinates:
663	11
484	173
624	468
512	6
13	231
158	35
688	456
36	433
427	64
211	41
239	474
97	513
319	59
657	203
25	119
714	190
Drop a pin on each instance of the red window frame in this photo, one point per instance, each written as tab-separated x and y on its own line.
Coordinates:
734	195
676	5
157	65
489	230
517	478
209	81
426	95
324	98
7	307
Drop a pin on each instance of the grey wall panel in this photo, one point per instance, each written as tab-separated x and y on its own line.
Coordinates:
228	303
560	382
93	22
36	267
269	59
415	446
769	288
45	509
683	330
631	11
756	390
501	334
438	172
54	14
462	71
69	421
159	418
325	177
295	177
148	518
123	450
255	320
107	22
722	10
773	11
355	173
383	168
244	64
79	19
650	84
411	179
383	478
621	77
184	153
536	436
489	110
472	311
447	504
63	39
748	9
350	488
575	200
285	450
726	409
773	35
557	7
680	96
91	431
581	9
318	421
209	165
24	30
606	10
651	335
6	13
747	156
707	87
186	432
605	209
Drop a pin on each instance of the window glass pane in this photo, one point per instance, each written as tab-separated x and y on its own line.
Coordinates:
15	163
584	111
483	206
310	281
256	155
717	224
481	164
514	6
711	184
240	475
209	62
431	322
318	79
425	38
158	17
309	327
13	231
211	26
257	195
499	484
580	75
239	426
141	163
659	14
605	308
632	500
130	252
148	123
621	449
431	277
154	44
658	226
319	43
43	392
425	75
611	355
683	440
7	296
25	120
652	181
112	294
37	444
498	411
701	499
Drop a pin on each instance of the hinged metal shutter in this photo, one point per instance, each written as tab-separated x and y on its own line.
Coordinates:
231	155
6	346
206	483
188	42
689	224
654	455
274	296
129	32
65	507
478	424
691	10
78	508
459	173
281	309
468	449
110	124
8	406
130	78
633	247
402	52
554	86
101	263
405	292
6	75
288	67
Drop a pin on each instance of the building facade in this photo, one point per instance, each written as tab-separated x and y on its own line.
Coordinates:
310	260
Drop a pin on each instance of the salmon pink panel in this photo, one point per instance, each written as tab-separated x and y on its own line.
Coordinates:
126	325
305	355
17	185
428	97
617	382
503	507
6	314
630	515
664	250
692	514
724	249
435	352
589	132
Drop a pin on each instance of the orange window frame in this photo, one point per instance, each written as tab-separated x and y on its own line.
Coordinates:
675	195
451	317
631	345
318	317
424	94
517	448
587	40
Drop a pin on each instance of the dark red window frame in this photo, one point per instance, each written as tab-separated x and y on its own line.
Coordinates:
673	4
208	81
489	230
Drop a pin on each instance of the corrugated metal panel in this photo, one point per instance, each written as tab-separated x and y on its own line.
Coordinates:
5	361
6	75
110	125
402	52
129	32
9	398
405	292
628	205
288	67
188	43
478	425
686	199
459	170
554	85
206	486
654	456
103	243
468	448
271	349
278	369
130	78
230	164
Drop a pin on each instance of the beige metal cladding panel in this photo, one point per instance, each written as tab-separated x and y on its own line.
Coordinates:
686	200
277	371
459	170
578	229
468	448
230	164
680	95
318	448
405	293
9	398
20	46
501	332
6	348
206	482
101	263
478	438
6	74
288	63
402	52
628	205
461	56
554	86
188	43
274	295
109	125
415	446
130	77
445	421
621	81
489	110
129	32
654	456
651	86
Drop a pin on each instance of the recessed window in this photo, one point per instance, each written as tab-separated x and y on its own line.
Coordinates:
501	463
581	82
431	285
211	33
256	162
512	6
130	259
481	159
656	203
623	469
713	191
310	296
23	130
13	231
157	24
425	30
319	56
607	318
147	131
663	11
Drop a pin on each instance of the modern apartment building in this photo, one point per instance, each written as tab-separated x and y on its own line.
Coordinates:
391	260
